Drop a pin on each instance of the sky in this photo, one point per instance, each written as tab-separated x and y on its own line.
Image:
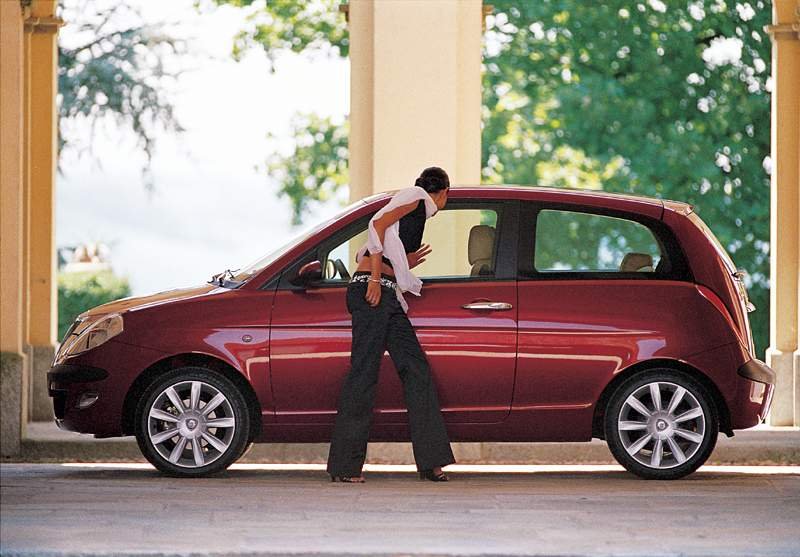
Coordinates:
211	208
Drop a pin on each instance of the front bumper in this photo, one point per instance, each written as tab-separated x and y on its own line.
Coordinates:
68	385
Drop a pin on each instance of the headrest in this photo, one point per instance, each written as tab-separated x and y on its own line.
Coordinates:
636	262
481	242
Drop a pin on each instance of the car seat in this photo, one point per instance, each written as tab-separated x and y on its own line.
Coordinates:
633	262
480	250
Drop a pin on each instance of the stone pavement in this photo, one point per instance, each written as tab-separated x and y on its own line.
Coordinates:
130	509
760	445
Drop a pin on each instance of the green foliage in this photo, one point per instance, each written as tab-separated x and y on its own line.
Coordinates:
615	96
572	241
317	167
626	88
84	290
117	72
291	25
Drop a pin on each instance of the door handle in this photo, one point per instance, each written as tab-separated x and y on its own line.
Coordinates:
487	305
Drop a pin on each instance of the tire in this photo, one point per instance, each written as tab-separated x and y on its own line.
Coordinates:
157	414
246	450
659	441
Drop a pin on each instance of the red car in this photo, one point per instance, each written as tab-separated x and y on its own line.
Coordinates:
546	314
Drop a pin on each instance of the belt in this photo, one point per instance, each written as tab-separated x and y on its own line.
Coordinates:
384	281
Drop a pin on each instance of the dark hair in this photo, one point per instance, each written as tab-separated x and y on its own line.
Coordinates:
433	179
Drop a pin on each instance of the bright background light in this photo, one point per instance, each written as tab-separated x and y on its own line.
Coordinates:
212	209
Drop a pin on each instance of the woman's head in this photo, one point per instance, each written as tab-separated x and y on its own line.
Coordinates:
435	181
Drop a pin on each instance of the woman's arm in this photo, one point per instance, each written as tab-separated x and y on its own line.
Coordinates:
380	225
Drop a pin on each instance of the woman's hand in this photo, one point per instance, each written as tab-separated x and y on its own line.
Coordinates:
373	295
417	257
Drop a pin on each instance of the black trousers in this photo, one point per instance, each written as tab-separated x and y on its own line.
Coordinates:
376	329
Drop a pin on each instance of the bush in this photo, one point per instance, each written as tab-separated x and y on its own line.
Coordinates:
79	291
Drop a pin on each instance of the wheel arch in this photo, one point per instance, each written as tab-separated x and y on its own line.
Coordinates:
660	363
190	359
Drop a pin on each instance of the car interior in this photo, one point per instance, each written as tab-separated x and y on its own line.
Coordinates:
481	249
633	262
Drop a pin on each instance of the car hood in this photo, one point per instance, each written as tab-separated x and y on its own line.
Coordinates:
134	303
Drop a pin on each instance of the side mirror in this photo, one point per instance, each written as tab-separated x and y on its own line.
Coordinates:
309	272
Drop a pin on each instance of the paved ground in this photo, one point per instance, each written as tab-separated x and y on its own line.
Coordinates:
85	509
760	445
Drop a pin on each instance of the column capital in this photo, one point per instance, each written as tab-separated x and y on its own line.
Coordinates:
47	24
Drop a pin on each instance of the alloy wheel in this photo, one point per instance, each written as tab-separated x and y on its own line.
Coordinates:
191	424
661	425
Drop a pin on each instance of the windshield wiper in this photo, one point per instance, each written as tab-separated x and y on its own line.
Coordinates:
220	278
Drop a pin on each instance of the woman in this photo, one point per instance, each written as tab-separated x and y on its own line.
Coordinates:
375	301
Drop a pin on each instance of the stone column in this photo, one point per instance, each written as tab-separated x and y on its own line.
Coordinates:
782	354
41	30
13	380
415	100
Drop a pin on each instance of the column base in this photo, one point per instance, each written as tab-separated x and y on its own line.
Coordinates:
39	360
14	397
784	410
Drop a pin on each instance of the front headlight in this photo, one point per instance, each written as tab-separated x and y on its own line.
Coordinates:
92	336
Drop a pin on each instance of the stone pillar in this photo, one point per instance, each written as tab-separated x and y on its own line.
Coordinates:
782	354
415	99
13	380
41	30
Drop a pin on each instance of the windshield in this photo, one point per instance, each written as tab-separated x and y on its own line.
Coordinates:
249	270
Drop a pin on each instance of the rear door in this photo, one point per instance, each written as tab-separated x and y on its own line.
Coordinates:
592	286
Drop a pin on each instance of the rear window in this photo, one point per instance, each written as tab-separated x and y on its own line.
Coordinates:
571	241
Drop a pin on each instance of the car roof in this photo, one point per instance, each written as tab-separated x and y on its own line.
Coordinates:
593	198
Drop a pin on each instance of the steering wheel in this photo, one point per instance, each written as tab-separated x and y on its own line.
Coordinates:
341	268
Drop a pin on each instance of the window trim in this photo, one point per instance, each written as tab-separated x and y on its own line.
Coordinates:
505	255
672	253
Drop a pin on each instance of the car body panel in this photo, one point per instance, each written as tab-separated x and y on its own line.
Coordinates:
472	353
535	373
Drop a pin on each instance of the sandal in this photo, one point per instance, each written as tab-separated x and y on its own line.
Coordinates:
429	475
348	479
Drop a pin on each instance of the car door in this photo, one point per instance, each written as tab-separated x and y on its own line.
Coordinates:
592	284
465	320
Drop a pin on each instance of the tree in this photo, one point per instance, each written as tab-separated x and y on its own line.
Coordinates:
656	98
676	93
114	70
317	166
291	25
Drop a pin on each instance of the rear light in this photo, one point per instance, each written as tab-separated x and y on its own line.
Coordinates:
747	306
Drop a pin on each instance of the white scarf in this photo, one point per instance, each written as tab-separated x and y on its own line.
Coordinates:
392	246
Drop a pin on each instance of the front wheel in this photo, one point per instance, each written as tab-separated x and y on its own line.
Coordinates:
661	424
192	422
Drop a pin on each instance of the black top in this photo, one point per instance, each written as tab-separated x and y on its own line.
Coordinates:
412	225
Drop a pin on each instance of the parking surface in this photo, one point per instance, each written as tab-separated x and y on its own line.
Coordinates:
86	509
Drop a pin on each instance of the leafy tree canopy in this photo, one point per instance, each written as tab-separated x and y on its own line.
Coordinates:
657	97
291	25
113	67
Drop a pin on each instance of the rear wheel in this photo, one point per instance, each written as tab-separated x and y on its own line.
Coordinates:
661	424
192	422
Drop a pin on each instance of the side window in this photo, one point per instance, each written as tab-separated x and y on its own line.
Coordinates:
571	241
463	243
339	262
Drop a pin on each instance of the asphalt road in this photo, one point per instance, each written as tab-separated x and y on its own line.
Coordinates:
80	509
